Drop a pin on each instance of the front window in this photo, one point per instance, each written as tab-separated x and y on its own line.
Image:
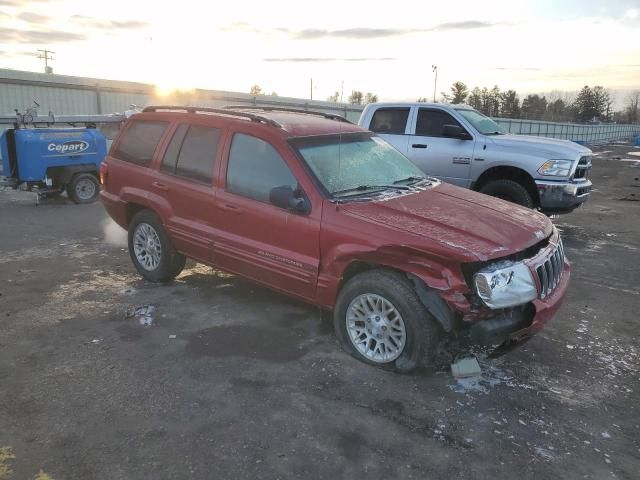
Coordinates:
481	122
356	163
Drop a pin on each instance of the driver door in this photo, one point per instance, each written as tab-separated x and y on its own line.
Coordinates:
256	239
448	159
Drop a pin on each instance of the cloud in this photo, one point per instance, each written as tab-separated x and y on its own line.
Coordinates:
325	59
528	69
360	33
105	24
10	35
17	3
31	17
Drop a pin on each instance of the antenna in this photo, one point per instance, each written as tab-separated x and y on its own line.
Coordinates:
46	55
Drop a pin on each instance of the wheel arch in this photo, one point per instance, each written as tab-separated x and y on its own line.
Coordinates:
507	172
432	301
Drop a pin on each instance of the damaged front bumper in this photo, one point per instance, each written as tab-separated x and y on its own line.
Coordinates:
562	196
514	328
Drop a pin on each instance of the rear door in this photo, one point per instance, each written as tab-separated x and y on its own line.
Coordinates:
392	124
185	179
257	239
446	158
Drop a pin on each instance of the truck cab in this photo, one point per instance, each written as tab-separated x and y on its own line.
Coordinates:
460	145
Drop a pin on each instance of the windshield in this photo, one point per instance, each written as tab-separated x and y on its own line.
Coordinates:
481	122
351	164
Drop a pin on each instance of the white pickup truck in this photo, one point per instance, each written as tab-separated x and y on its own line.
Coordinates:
462	146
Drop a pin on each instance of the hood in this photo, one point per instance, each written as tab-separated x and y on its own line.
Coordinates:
549	148
454	221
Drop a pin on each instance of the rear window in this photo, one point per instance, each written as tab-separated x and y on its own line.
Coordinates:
139	142
389	120
191	152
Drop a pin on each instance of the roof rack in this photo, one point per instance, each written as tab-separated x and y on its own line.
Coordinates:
330	116
220	111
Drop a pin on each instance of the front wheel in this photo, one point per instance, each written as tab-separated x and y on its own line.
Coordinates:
509	190
151	250
380	320
84	188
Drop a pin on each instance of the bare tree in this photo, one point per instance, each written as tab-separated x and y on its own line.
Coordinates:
370	98
633	107
356	97
334	97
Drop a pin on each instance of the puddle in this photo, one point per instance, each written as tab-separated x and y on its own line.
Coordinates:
271	345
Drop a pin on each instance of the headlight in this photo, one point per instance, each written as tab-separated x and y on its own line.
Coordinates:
505	284
556	168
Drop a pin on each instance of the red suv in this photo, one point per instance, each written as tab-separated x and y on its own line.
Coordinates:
320	209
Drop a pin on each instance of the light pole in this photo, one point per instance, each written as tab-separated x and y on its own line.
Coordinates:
434	68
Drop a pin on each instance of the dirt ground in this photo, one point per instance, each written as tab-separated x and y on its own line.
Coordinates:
234	381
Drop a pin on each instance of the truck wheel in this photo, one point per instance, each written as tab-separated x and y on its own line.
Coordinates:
509	190
151	250
84	188
380	320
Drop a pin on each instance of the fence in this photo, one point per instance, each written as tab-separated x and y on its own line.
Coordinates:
585	134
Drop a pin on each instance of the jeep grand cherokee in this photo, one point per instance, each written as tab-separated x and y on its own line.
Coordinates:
318	208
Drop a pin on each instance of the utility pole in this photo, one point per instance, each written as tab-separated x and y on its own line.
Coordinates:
341	91
312	89
46	55
434	68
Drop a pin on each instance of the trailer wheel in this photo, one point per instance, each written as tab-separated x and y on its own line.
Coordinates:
84	188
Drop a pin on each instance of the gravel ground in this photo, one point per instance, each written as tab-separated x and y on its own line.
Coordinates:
234	381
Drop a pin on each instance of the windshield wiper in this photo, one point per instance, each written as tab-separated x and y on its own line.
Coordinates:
412	179
364	188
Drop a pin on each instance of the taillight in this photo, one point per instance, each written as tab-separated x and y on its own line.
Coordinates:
103	173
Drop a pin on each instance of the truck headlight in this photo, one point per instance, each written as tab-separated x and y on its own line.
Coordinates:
556	168
505	284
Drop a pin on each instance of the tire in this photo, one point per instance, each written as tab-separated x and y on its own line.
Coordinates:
151	250
84	188
509	190
374	288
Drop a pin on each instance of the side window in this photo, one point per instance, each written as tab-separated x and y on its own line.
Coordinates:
389	120
255	168
431	122
198	152
139	142
170	158
191	152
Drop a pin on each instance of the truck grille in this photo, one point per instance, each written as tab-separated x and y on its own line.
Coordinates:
583	169
550	271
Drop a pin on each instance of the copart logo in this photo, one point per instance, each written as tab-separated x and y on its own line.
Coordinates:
72	146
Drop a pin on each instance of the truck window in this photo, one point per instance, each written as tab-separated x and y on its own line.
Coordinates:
431	122
389	120
255	167
139	142
197	152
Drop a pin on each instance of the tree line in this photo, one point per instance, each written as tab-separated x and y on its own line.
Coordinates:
589	104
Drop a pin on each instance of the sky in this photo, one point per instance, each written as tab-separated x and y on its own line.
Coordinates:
387	48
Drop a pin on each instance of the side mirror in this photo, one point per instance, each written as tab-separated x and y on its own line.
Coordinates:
289	199
454	131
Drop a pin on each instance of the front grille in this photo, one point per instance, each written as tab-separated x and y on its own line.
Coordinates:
550	271
583	169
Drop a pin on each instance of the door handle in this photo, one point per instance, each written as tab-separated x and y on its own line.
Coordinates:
419	145
230	207
160	186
